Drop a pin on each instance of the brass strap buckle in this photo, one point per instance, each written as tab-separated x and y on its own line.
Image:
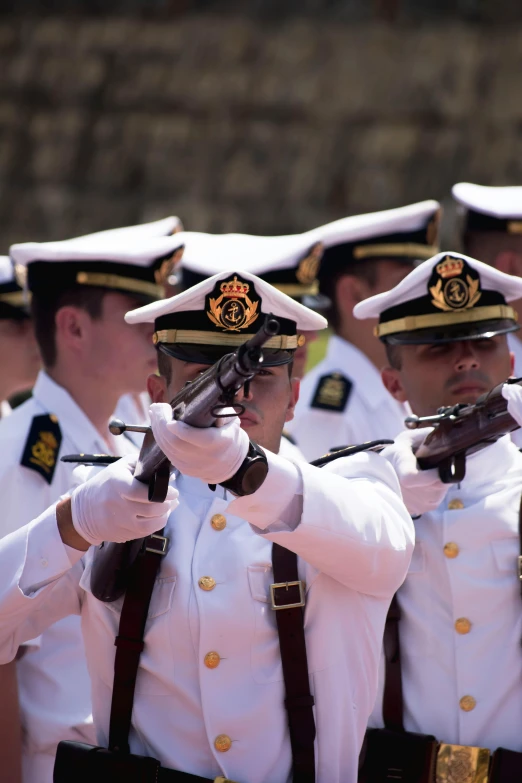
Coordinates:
221	779
162	546
462	763
286	585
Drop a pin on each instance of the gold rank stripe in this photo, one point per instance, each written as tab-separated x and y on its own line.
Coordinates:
14	298
413	322
283	342
103	280
393	249
295	289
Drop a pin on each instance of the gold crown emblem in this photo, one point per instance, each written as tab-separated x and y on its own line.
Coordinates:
234	288
450	267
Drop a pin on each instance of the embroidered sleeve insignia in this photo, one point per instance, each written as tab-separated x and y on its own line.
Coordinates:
332	392
42	446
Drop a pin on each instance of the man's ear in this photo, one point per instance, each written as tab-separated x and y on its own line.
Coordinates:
349	291
157	388
72	326
391	379
295	384
510	262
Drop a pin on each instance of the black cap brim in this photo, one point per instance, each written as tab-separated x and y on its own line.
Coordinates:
210	354
481	330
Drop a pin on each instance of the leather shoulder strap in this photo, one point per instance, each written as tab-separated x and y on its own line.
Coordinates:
129	642
392	703
288	602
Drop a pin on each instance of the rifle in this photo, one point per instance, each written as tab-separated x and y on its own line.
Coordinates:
460	430
199	404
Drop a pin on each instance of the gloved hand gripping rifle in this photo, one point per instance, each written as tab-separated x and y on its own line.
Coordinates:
461	430
199	404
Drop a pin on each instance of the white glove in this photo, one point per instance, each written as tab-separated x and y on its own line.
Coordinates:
512	392
212	454
422	490
114	506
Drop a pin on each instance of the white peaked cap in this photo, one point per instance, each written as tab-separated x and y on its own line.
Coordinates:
138	252
498	202
194	299
134	266
142	231
210	254
355	228
447	295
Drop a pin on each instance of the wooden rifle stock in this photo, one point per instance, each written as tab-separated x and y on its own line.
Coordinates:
461	430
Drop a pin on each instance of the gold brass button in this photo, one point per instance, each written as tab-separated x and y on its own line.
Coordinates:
207	583
218	522
451	549
455	504
224	743
462	625
467	703
212	660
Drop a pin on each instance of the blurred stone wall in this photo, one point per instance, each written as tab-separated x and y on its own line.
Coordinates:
245	124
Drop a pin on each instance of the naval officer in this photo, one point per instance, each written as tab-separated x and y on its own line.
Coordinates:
445	329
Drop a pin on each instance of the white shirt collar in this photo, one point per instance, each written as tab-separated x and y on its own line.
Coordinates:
73	422
355	365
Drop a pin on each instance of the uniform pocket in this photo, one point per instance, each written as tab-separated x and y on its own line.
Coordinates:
160	602
505	553
265	652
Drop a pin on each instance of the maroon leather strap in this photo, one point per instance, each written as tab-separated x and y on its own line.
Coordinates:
129	642
290	626
392	703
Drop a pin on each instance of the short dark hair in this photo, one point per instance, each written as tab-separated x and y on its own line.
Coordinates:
165	366
393	354
45	306
364	270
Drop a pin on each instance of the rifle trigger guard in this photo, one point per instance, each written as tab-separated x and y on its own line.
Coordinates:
453	469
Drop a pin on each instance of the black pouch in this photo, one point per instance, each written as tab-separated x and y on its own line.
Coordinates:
77	762
506	767
403	756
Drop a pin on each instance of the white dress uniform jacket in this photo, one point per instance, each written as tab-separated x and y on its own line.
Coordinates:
5	409
354	541
515	346
461	621
54	686
369	411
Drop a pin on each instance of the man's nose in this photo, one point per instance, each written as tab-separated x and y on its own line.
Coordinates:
244	394
467	358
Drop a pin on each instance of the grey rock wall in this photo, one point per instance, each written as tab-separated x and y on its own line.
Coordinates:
240	124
